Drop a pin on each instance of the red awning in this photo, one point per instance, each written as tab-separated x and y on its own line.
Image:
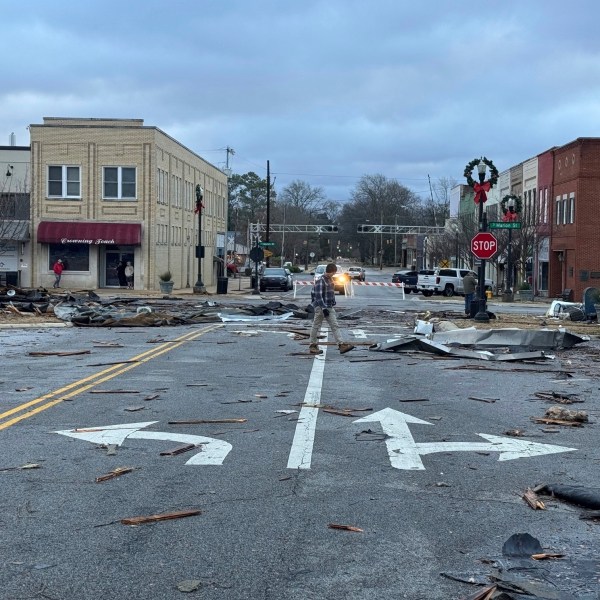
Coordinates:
64	232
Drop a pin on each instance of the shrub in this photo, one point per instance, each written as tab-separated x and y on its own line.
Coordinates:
166	276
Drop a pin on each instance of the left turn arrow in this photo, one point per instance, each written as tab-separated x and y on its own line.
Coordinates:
214	451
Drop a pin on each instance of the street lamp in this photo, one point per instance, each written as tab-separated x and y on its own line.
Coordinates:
199	286
482	315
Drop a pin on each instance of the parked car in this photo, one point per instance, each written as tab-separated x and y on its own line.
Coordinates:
409	278
446	281
356	273
275	278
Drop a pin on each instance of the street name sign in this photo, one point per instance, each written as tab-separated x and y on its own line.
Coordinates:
264	244
504	225
484	245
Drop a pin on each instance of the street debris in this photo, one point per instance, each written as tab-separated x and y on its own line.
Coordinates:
345	527
189	585
178	514
578	495
178	450
560	397
534	502
558	415
114	473
484	344
564	414
66	353
22	467
204	421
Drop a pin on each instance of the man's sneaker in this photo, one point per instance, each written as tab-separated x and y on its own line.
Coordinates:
314	349
345	348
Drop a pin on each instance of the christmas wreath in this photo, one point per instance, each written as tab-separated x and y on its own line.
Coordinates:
481	188
518	204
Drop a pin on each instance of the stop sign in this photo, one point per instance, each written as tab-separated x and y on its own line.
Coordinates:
484	245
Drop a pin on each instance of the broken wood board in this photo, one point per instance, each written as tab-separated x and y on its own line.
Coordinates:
178	514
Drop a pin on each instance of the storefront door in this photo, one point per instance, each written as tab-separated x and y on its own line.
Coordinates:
112	257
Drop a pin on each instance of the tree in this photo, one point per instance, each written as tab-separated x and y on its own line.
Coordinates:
247	200
302	195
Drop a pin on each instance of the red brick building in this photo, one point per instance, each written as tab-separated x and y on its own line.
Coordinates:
575	217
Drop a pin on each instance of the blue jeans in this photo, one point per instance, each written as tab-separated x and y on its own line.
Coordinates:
468	300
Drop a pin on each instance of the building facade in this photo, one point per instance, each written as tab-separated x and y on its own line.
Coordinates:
15	225
112	190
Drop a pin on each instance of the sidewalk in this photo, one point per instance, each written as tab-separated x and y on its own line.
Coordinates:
240	286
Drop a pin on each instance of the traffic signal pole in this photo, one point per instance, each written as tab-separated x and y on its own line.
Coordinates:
482	315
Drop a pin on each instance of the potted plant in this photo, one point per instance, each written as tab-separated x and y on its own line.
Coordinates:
525	292
166	283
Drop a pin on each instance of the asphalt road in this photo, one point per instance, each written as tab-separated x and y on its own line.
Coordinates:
433	495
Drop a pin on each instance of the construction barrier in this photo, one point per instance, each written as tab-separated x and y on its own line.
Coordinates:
377	284
349	287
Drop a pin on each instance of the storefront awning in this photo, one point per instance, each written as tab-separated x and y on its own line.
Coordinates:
65	232
14	230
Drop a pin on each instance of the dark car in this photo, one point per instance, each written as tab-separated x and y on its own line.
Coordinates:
275	278
408	277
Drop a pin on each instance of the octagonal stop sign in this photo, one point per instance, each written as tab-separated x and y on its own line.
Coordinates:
484	245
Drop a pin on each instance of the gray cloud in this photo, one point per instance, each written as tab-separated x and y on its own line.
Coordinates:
327	90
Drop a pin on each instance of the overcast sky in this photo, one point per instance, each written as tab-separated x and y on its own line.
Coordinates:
326	90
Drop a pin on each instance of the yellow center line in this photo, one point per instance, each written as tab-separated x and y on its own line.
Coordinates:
82	385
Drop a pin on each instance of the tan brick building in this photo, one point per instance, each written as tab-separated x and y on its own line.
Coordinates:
110	190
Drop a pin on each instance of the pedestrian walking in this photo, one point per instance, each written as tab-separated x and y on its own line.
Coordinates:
58	269
129	275
469	286
323	301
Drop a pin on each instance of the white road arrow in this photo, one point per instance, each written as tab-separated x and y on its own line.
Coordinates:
405	453
214	452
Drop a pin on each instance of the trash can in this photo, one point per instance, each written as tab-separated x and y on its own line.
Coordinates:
474	309
222	285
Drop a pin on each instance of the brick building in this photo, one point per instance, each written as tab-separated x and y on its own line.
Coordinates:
575	241
110	190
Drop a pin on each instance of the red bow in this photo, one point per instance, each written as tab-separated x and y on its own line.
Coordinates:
509	217
480	191
199	206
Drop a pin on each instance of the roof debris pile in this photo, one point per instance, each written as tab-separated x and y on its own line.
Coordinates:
446	339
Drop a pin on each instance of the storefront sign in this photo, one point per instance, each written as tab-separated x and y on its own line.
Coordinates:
96	242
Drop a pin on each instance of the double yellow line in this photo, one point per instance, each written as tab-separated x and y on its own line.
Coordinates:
37	405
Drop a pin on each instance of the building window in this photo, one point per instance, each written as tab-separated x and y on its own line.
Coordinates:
557	207
119	183
64	181
75	257
571	208
564	209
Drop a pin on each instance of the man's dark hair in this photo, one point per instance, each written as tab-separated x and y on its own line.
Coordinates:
331	268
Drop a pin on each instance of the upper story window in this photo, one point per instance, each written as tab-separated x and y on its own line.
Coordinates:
64	181
119	183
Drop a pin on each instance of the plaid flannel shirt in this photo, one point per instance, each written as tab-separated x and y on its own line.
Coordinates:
323	292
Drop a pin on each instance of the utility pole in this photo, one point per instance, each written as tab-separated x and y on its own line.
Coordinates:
268	210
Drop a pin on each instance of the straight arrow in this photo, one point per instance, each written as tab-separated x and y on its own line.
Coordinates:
405	453
401	446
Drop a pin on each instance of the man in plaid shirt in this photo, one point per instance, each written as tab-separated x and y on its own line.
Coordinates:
323	301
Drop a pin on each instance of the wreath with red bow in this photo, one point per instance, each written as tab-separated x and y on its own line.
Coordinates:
511	216
481	189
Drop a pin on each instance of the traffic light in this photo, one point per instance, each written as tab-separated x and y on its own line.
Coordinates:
330	228
360	228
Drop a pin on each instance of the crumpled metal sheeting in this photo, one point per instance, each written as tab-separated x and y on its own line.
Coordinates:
414	342
540	339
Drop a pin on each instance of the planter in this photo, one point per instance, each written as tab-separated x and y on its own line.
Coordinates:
166	287
525	295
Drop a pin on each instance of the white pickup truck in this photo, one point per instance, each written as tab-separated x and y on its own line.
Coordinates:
446	281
